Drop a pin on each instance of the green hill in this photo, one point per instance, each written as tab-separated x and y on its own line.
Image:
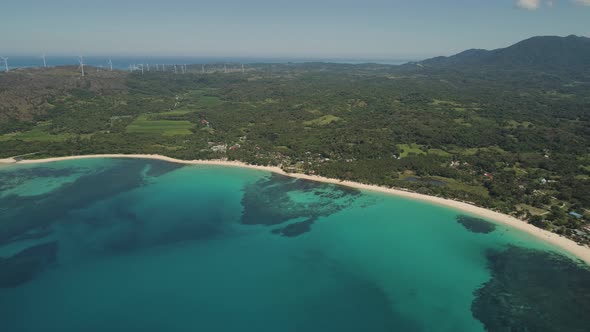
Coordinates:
539	53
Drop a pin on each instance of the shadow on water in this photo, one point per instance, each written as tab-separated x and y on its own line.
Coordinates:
533	290
270	202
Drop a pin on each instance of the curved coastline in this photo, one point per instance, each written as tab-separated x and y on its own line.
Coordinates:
579	251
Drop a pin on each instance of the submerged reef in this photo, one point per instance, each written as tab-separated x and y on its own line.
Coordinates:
277	199
533	290
476	225
23	267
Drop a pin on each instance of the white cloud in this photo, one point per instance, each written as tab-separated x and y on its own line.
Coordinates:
582	2
532	4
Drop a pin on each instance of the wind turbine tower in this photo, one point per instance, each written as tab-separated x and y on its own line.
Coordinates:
242	68
5	60
203	69
148	67
81	61
110	63
44	61
175	72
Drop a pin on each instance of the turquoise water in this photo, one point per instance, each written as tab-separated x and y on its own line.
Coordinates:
144	245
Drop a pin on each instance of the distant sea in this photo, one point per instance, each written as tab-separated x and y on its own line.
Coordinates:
123	62
131	245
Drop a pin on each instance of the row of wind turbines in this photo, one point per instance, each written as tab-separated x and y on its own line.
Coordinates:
4	60
175	68
134	67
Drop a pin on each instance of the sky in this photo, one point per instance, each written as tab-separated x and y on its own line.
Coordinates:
328	29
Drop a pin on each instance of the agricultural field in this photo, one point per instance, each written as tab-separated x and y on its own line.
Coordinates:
146	125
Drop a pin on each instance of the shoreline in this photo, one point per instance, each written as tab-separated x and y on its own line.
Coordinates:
579	251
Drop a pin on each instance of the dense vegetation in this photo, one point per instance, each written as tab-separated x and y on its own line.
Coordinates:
515	140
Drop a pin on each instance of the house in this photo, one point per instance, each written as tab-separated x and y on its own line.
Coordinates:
576	215
489	176
219	148
543	181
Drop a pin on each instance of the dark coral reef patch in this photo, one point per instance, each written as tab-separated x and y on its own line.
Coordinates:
476	225
277	199
25	265
534	290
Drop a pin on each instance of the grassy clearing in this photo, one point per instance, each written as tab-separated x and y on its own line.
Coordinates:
462	122
439	152
209	102
143	124
174	113
457	185
322	121
533	210
39	133
450	183
512	124
474	151
439	102
407	149
200	99
517	170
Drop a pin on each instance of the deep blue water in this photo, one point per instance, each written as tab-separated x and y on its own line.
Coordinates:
131	245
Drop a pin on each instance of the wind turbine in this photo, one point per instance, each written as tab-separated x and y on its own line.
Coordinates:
81	62
5	60
110	63
139	66
44	61
242	68
203	69
175	72
148	67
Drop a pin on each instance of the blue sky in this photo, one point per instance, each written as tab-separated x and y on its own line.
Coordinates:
348	29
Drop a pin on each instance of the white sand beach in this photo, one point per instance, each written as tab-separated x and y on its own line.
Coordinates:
582	252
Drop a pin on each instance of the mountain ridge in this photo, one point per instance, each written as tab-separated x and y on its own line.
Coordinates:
540	52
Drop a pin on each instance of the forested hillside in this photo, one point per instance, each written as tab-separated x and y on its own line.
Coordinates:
545	53
513	140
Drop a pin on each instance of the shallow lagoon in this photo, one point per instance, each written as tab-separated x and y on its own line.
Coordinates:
145	245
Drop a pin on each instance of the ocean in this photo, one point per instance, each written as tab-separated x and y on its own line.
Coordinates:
123	62
145	245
